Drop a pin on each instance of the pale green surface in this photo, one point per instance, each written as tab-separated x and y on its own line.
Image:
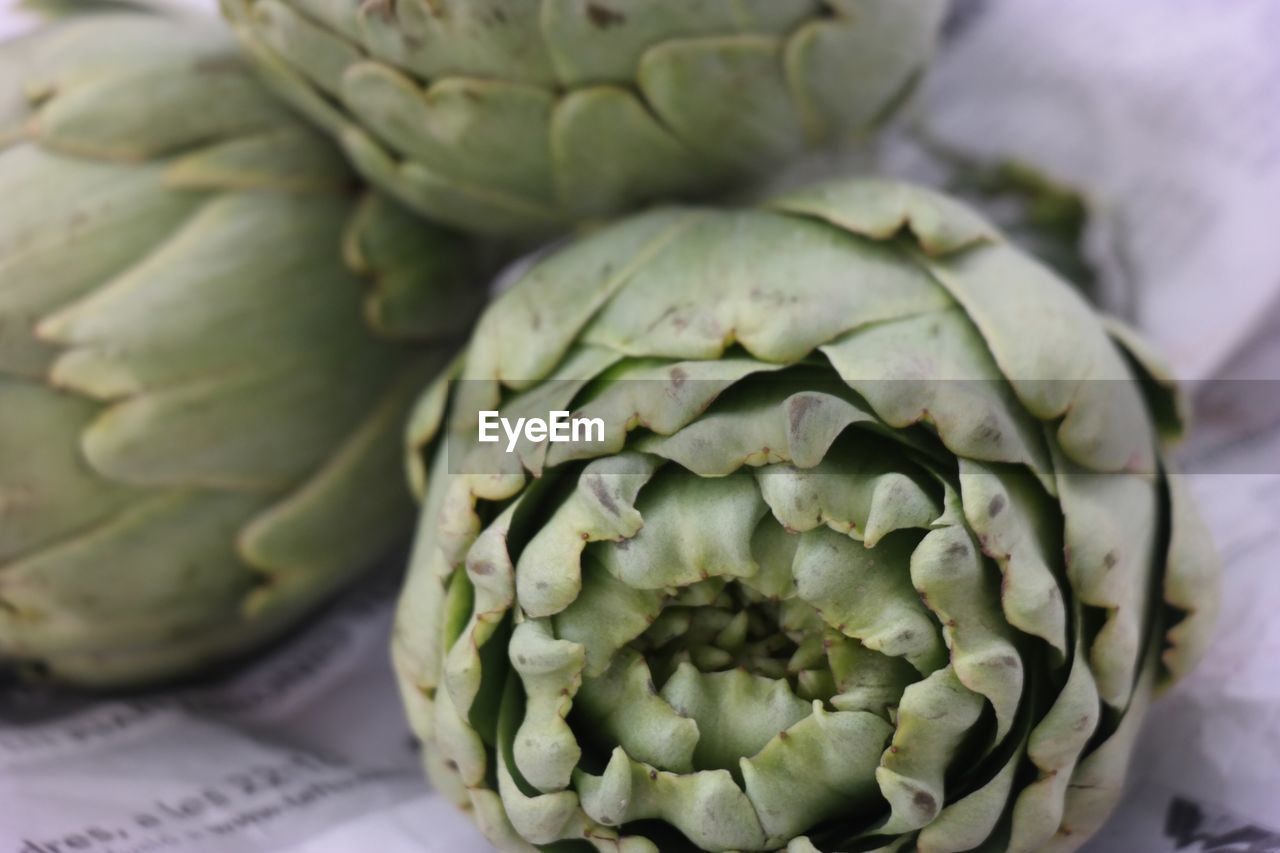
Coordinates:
199	431
521	117
806	595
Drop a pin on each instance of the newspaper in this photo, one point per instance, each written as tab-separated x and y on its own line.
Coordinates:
1163	113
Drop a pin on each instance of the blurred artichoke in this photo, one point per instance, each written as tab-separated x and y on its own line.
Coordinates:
200	433
879	549
520	116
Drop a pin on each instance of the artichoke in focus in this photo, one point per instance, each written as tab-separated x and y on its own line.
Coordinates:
519	117
877	546
209	339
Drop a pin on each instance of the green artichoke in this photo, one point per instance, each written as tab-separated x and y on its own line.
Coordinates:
201	403
518	117
877	547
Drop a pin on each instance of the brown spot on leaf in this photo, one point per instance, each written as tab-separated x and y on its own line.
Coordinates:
996	505
601	491
604	17
678	376
989	430
924	801
384	10
798	410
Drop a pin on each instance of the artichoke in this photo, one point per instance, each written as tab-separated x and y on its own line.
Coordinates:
201	403
517	117
874	544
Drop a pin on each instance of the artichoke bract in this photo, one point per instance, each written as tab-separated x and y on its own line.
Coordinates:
872	542
201	399
518	117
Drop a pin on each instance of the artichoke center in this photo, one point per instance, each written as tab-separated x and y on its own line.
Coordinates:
740	629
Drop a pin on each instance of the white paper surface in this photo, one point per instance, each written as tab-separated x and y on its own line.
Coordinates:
1168	113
